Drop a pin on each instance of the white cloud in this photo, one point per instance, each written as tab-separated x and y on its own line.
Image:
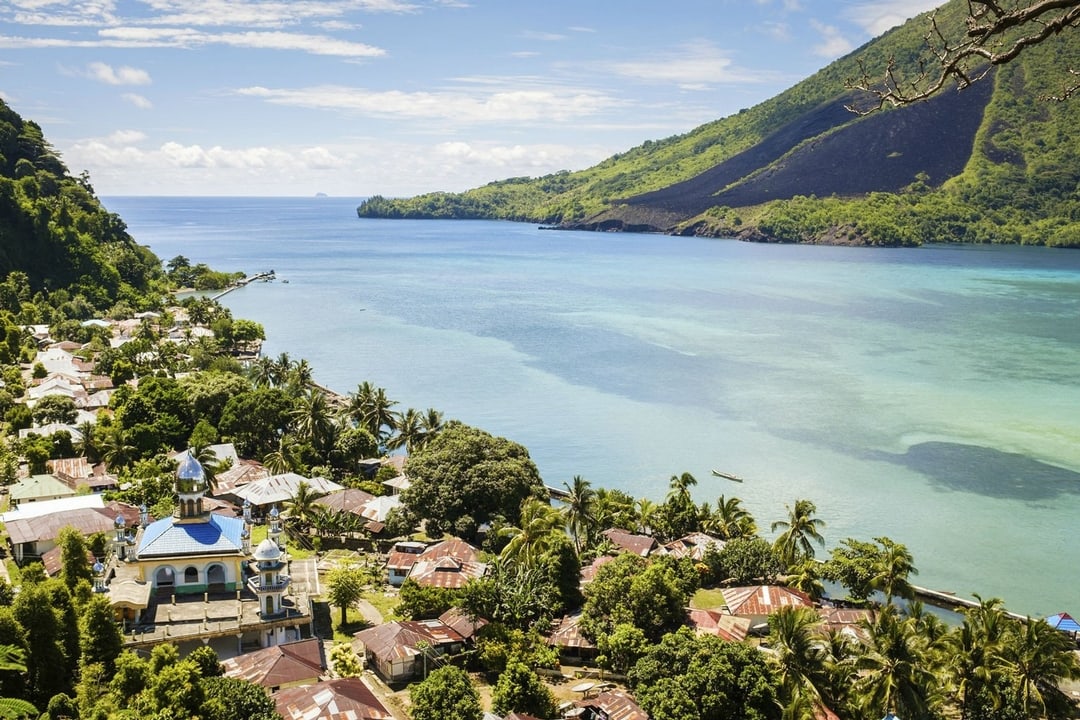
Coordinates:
495	155
138	101
276	40
694	66
504	104
126	137
122	75
877	17
545	36
832	44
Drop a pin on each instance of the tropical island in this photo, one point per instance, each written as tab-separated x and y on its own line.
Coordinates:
177	492
995	163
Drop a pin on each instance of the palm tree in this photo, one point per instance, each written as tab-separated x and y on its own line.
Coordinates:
893	568
973	652
896	675
798	530
262	372
115	450
535	533
312	420
801	657
210	464
648	515
806	576
380	415
1038	658
300	375
360	401
731	520
13	659
281	460
279	374
301	507
87	444
580	520
410	430
433	423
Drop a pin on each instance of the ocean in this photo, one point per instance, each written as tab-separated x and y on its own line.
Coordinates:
930	395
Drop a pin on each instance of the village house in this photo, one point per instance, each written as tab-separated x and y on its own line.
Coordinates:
280	666
405	649
340	699
641	545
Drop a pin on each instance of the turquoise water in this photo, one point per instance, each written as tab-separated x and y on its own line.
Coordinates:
931	395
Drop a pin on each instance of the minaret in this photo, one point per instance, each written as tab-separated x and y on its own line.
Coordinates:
144	515
270	584
98	571
120	538
274	529
190	489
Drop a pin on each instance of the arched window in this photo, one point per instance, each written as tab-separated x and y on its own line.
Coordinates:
164	577
269	604
191	575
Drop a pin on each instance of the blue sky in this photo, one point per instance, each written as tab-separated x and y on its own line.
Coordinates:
357	97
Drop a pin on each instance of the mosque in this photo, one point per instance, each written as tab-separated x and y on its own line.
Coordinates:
195	576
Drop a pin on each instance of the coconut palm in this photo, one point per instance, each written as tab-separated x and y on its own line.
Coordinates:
262	372
973	652
410	430
647	514
800	528
432	422
535	534
115	450
806	576
281	460
380	415
208	459
800	656
312	420
301	507
731	520
13	659
87	443
1038	657
896	675
580	520
893	567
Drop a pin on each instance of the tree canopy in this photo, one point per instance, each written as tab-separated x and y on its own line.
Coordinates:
466	477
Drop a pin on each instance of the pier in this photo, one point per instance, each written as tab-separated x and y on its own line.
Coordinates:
264	276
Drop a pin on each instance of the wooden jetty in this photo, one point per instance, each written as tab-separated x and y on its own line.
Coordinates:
265	276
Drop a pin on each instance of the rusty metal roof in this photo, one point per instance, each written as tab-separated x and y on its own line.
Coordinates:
398	640
341	699
714	622
278	665
763	599
629	542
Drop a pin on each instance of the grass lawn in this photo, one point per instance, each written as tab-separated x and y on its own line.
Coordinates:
707	599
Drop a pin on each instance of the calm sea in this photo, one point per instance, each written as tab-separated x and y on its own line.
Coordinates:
930	395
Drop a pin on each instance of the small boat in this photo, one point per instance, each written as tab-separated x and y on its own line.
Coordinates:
727	476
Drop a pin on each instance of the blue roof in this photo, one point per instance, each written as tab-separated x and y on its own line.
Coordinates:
1063	621
167	538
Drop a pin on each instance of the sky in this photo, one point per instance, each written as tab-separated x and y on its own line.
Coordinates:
396	97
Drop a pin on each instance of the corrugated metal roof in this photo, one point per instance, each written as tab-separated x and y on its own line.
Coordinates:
568	634
342	699
714	622
398	640
278	489
763	599
637	544
616	705
278	665
694	546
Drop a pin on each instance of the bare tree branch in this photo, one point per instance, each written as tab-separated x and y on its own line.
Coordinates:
997	33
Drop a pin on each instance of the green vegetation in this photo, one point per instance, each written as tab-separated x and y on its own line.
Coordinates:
1015	180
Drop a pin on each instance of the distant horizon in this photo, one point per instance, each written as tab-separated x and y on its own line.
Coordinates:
399	97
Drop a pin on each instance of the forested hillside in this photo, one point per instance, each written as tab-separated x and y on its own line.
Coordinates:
55	232
994	163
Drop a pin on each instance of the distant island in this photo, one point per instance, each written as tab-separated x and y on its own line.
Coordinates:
996	163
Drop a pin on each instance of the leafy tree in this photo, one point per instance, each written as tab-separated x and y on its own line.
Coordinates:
630	591
1039	658
345	662
717	679
55	409
511	593
209	391
519	689
622	647
255	420
679	513
100	639
423	602
345	586
227	698
46	661
206	658
446	694
73	563
466	477
744	561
